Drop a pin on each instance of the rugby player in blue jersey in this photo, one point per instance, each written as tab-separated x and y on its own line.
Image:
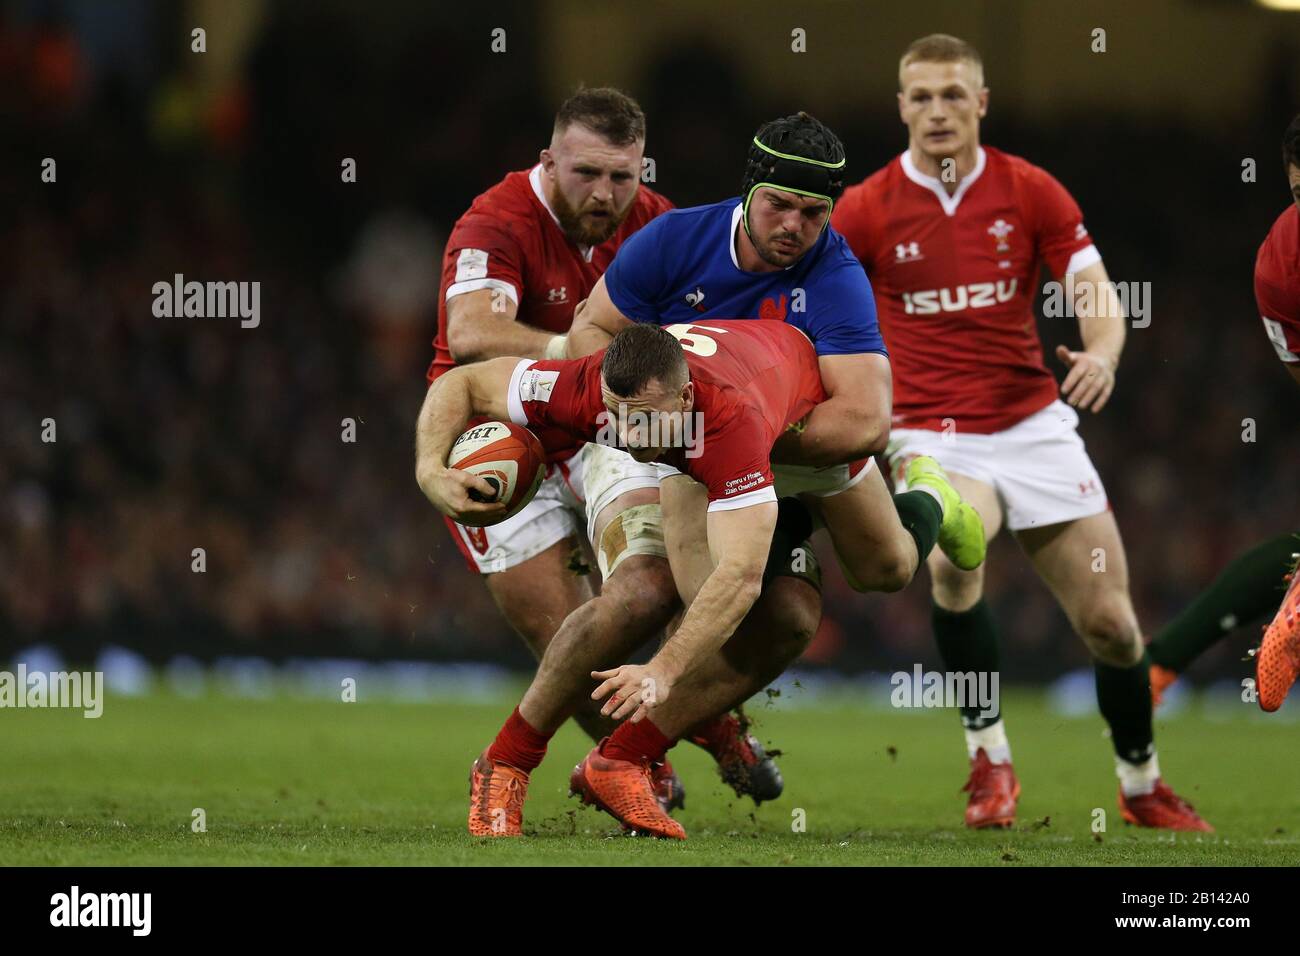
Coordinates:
771	254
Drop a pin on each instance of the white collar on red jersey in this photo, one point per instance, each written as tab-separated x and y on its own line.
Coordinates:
931	183
535	178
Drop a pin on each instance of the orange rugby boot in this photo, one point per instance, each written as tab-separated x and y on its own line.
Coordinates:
626	792
1278	662
1161	680
496	799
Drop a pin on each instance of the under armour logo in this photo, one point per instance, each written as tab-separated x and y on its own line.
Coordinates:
558	295
1088	487
908	251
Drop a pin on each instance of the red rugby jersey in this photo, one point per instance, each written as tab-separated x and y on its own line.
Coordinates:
955	278
510	241
1277	284
752	379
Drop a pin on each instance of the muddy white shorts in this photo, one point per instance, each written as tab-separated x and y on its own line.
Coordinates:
1039	468
792	480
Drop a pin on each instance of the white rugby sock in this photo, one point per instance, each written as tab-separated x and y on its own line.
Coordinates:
1138	779
994	741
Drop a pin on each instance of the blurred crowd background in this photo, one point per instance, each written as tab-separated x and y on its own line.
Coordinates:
175	434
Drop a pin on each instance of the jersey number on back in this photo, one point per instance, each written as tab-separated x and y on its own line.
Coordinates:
692	340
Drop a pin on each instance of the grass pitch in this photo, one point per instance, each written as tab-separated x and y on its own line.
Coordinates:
289	781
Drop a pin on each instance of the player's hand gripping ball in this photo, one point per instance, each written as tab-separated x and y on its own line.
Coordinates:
509	458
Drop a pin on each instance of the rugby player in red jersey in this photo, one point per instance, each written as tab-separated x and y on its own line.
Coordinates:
1246	590
742	384
516	265
953	236
1277	290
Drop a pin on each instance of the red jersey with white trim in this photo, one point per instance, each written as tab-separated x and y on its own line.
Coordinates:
1277	284
510	241
753	378
955	278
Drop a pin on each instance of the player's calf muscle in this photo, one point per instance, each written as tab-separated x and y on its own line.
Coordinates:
636	603
780	628
772	636
874	549
537	595
952	588
588	640
888	568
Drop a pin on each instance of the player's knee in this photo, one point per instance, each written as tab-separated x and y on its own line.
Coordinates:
895	574
796	610
643	589
885	571
1111	633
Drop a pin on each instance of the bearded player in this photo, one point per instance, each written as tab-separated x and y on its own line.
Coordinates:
953	236
1247	588
515	267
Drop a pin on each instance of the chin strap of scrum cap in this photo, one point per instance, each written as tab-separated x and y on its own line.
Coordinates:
793	174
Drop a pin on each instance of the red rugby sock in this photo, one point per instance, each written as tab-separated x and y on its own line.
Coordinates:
636	742
518	744
714	735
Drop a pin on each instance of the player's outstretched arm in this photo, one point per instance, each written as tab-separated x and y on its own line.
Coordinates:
595	323
1091	376
449	404
482	325
854	420
739	541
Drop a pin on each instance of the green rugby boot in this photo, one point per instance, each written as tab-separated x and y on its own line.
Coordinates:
961	536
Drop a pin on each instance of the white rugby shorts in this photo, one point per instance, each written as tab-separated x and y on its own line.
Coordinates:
1039	467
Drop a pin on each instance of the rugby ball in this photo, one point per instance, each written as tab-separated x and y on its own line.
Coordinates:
506	456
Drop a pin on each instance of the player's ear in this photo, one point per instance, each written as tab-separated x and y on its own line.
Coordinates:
901	115
984	101
547	159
